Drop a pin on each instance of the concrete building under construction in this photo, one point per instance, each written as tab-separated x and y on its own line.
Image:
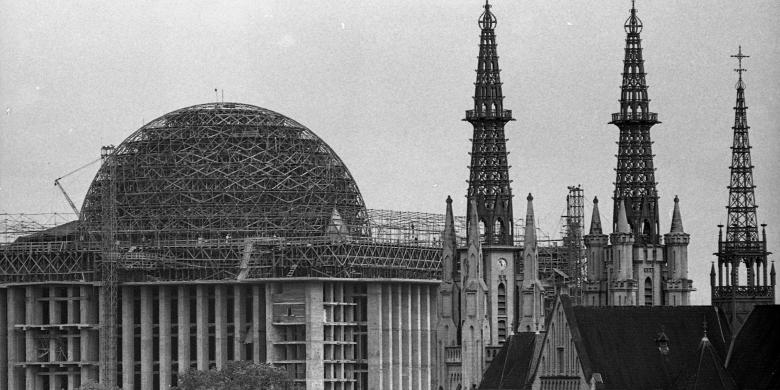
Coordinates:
226	231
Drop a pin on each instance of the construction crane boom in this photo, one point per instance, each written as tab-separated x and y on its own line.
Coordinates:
67	197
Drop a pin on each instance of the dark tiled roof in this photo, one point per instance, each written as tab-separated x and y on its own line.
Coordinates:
620	342
706	372
754	359
514	373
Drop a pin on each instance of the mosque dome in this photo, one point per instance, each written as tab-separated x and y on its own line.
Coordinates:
222	170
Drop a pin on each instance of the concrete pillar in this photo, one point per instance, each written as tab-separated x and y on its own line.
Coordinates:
375	342
398	340
73	318
257	340
166	361
416	353
220	326
427	342
32	316
128	347
315	369
147	338
15	315
5	306
271	335
202	330
239	323
387	335
89	345
406	335
183	327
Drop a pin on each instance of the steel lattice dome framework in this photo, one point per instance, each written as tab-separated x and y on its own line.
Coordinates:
223	170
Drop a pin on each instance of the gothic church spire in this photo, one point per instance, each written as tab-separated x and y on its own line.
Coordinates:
489	184
635	182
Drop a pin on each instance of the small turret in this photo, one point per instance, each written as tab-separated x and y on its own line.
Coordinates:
622	221
712	275
530	266
595	242
677	225
595	220
772	275
449	245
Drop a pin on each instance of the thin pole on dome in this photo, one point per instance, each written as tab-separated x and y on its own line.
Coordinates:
216	95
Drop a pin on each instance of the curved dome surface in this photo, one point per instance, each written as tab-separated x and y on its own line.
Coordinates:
223	170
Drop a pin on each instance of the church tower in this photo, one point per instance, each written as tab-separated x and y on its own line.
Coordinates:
489	192
742	246
677	287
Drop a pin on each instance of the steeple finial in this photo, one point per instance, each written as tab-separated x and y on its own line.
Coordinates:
595	219
633	24
487	21
739	56
677	225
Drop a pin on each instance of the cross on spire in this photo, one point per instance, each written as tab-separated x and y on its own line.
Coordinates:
739	56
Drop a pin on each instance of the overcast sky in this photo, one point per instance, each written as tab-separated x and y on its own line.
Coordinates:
386	85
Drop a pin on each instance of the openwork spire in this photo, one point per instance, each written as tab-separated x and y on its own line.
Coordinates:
635	182
742	226
489	183
742	245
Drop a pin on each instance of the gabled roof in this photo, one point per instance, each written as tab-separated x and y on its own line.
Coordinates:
515	372
754	358
620	342
706	372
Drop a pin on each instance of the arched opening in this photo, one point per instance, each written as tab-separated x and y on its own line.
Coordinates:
501	331
646	229
482	230
498	228
648	292
501	299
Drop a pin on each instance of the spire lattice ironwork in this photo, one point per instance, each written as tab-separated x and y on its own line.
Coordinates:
635	181
489	183
743	243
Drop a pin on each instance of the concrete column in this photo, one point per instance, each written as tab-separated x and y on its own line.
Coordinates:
147	338
6	306
89	346
374	316
166	361
271	333
387	336
417	346
15	315
220	326
239	323
427	313
32	316
398	340
406	336
73	318
183	327
257	340
315	368
202	331
55	312
128	347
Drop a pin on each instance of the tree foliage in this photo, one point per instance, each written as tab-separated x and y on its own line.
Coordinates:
236	376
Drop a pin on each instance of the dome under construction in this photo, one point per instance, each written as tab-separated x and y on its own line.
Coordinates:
223	170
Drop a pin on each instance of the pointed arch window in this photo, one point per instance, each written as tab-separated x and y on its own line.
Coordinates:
501	299
648	292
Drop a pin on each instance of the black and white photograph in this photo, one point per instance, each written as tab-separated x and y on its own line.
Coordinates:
381	195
